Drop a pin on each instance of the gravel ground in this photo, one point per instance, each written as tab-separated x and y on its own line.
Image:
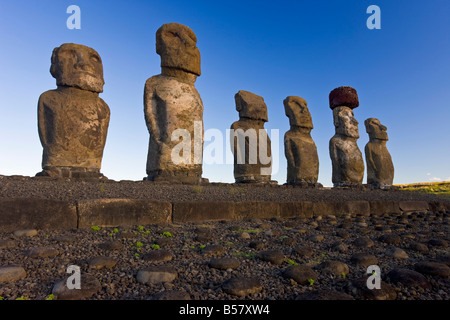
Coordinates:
64	189
275	259
272	253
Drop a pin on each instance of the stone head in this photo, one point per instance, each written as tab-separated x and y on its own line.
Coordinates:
345	122
251	106
177	46
79	66
344	96
375	129
296	110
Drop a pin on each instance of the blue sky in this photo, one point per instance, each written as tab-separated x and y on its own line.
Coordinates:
273	49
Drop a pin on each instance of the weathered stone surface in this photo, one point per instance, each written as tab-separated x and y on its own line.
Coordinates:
419	247
390	238
194	211
397	253
172	102
73	120
88	283
299	147
213	249
300	274
364	259
111	245
296	209
363	242
11	273
336	268
25	233
433	268
346	158
177	46
42	252
408	278
324	295
411	206
273	256
256	209
380	168
156	274
359	287
116	212
7	244
344	96
251	145
303	251
158	256
40	214
171	295
100	262
380	207
224	263
241	286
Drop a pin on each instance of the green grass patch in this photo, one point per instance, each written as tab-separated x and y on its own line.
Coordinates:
438	188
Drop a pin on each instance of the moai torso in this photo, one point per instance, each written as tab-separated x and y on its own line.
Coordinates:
251	145
73	120
171	103
300	149
346	158
380	168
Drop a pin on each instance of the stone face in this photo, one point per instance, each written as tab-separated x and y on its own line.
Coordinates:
346	158
177	46
174	110
299	147
250	143
380	168
72	119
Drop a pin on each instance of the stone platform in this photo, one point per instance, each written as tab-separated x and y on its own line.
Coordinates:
49	204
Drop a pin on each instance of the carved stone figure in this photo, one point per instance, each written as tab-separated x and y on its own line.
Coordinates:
72	119
380	169
346	158
174	110
249	140
299	147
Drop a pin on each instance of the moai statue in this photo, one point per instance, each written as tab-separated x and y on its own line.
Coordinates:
250	143
174	110
299	147
346	158
380	169
73	120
